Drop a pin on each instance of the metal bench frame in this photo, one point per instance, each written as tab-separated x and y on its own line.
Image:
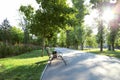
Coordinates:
54	55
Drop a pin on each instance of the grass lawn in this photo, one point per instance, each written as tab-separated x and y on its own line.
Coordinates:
23	67
115	53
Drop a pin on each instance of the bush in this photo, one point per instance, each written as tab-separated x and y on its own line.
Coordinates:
17	49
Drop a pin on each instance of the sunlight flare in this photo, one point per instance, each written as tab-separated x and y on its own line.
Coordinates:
108	15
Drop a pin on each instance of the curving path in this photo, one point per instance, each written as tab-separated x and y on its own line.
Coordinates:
83	66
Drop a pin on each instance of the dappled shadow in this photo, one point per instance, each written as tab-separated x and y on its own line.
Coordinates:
25	72
69	73
113	60
84	66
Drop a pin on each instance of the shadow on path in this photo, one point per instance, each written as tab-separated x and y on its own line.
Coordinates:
83	66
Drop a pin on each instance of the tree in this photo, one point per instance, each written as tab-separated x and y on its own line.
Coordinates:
5	31
68	35
99	5
16	35
49	18
26	22
51	40
114	25
90	38
71	40
79	28
114	28
117	41
62	38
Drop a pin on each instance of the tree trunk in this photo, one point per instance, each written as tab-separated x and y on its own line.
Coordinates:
101	36
26	36
67	39
101	45
43	47
76	44
113	48
109	47
101	28
81	46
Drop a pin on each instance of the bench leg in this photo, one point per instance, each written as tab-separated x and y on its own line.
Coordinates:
50	60
62	59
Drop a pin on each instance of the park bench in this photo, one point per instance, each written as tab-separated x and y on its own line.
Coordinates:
54	55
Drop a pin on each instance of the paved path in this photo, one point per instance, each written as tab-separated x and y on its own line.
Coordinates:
83	66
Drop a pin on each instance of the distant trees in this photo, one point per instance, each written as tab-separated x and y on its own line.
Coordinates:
9	34
62	39
16	35
114	27
113	24
117	40
26	20
90	38
11	39
98	4
75	36
55	16
5	31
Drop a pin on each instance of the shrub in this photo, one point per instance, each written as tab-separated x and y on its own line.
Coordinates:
17	49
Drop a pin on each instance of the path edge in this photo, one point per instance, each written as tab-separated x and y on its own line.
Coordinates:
41	77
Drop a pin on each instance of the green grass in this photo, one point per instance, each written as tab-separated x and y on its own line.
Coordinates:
115	53
23	67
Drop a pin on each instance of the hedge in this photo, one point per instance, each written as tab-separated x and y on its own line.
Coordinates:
17	49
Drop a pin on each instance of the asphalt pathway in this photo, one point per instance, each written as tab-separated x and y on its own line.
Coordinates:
83	66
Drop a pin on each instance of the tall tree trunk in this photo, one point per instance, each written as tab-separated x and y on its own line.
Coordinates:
113	48
82	46
101	38
109	47
101	27
26	36
76	46
101	45
113	36
43	46
67	38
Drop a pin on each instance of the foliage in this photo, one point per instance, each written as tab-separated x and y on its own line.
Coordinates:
99	4
23	66
27	17
78	37
48	19
17	49
113	24
91	41
117	40
90	38
52	41
5	31
16	35
80	11
28	12
5	25
62	39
